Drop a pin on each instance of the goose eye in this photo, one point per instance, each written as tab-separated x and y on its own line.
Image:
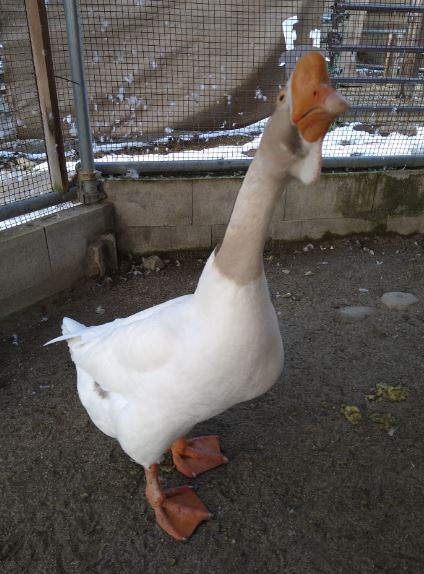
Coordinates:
281	96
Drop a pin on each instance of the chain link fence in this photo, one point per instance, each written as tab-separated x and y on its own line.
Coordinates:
172	81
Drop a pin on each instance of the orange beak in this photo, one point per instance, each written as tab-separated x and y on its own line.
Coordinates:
315	104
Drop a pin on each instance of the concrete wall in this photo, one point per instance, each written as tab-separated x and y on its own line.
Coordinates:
45	256
166	214
48	255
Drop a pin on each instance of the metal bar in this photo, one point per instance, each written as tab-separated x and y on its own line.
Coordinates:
79	84
380	7
378	80
43	65
87	175
172	167
367	162
376	108
160	168
33	203
374	48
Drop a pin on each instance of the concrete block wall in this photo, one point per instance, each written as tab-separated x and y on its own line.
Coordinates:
45	256
170	214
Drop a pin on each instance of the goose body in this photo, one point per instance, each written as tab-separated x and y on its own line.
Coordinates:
147	380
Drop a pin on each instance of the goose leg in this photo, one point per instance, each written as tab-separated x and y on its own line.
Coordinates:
196	455
178	510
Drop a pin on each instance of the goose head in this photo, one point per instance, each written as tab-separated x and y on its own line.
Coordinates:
292	141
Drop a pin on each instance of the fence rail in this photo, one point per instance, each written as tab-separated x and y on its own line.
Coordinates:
168	84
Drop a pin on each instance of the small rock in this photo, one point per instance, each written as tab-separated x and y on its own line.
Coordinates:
15	340
153	263
309	273
398	300
286	295
100	310
355	313
285	271
308	247
363	290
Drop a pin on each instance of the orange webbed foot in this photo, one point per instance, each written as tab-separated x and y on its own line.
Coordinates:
178	511
196	455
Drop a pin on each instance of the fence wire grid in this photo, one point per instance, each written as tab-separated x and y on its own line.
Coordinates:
177	80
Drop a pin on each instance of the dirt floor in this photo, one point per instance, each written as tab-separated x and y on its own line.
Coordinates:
306	490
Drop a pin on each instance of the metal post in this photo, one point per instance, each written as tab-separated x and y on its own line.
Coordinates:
89	188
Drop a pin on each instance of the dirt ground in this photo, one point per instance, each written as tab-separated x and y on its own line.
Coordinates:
306	491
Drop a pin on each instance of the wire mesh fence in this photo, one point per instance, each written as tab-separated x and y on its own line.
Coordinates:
188	80
24	171
21	140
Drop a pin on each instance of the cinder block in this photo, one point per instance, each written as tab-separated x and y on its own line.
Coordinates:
213	199
400	193
142	240
70	232
317	228
335	195
49	285
140	203
406	225
24	259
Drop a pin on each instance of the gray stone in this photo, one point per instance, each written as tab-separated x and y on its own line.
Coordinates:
398	300
153	263
355	313
101	256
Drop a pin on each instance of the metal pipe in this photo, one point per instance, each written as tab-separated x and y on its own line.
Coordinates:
393	109
34	203
366	162
380	7
87	174
379	80
172	167
161	168
375	48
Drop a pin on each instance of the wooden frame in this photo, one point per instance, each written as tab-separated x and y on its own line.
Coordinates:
46	86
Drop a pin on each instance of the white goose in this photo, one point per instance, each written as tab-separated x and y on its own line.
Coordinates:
148	379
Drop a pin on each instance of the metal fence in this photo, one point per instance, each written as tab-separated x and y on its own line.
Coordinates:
175	82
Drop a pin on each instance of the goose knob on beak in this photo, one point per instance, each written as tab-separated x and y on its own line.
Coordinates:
315	104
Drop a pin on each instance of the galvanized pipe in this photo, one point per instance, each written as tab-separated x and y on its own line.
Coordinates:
379	80
375	48
87	174
162	168
380	7
42	201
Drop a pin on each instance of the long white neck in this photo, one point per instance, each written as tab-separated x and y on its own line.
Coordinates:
240	255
